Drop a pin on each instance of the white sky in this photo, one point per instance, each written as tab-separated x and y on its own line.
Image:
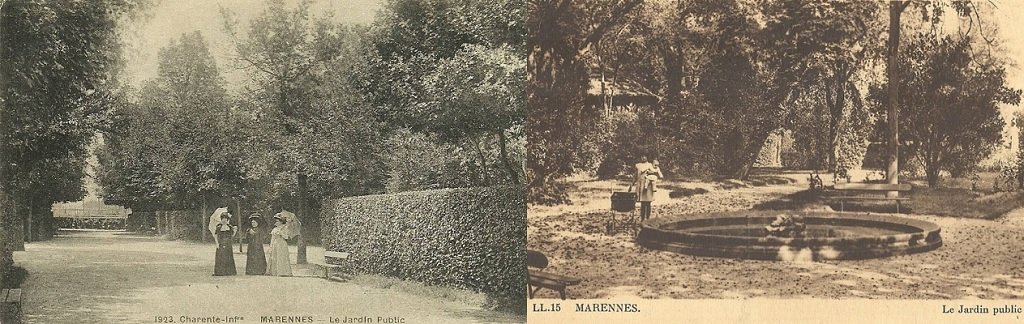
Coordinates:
1009	16
171	18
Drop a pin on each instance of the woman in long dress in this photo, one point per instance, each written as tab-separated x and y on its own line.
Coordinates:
279	263
256	260
224	263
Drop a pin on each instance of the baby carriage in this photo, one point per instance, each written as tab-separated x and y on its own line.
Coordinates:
624	202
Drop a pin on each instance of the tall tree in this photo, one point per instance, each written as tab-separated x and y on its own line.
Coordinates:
57	80
932	11
418	48
173	149
285	51
558	125
950	112
892	171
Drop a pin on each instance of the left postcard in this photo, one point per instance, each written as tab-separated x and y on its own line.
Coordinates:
264	161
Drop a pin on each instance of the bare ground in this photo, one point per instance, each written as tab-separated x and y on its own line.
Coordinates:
111	277
979	259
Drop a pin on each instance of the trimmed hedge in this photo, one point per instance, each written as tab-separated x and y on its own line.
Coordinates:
472	238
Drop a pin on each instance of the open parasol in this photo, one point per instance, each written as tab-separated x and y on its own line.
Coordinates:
292	225
214	220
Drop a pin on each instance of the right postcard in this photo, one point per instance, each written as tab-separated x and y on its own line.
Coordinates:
750	161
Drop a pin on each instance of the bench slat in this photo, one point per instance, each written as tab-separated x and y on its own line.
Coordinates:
550	284
335	254
543	276
873	186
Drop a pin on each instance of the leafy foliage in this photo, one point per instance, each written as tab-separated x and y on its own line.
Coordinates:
559	125
950	109
173	148
311	132
454	70
465	238
57	82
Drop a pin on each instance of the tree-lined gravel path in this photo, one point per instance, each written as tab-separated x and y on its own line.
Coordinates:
115	277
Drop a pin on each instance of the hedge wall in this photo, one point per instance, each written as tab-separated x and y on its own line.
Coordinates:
466	238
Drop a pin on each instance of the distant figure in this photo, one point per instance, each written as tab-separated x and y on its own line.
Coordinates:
224	264
647	174
815	181
256	260
279	263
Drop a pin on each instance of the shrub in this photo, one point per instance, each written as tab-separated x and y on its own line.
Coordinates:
551	193
14	278
470	238
1008	177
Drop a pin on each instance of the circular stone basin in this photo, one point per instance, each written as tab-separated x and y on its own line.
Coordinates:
828	236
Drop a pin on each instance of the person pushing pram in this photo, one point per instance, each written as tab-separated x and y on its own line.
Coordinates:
646	178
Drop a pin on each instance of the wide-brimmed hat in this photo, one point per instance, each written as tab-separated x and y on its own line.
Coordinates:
256	217
280	218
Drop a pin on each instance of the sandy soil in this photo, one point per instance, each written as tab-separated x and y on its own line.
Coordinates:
110	277
979	259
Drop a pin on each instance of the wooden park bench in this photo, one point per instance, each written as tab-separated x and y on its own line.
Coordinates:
540	279
847	190
10	306
328	266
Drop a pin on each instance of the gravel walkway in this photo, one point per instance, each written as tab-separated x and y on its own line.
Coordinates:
110	277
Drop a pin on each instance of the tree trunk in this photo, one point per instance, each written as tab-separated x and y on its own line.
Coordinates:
31	234
746	162
933	175
892	171
743	158
6	255
600	68
483	163
18	237
303	183
836	113
238	211
512	173
673	74
7	219
202	224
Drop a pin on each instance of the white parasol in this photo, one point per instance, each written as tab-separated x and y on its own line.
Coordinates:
214	220
292	226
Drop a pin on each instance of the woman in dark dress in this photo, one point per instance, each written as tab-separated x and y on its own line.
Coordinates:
224	264
256	260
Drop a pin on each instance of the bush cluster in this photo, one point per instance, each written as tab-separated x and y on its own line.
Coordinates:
176	224
471	238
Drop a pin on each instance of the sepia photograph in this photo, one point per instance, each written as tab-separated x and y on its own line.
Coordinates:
263	161
774	150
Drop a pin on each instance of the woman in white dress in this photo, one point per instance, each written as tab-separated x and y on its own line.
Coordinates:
647	175
279	263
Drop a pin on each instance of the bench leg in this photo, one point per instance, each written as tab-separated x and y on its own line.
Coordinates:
561	293
897	206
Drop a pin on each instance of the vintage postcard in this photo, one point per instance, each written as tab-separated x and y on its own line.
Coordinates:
262	161
774	161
